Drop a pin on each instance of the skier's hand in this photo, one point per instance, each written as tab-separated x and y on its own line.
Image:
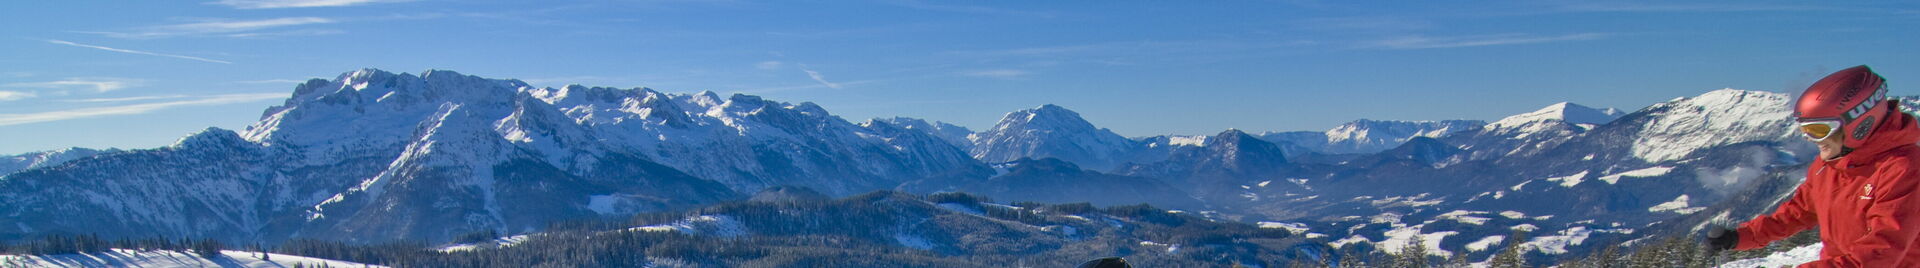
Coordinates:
1722	238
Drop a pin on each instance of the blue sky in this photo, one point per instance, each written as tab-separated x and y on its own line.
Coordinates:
140	74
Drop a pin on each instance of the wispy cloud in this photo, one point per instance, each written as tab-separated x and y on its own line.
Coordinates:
820	78
130	51
14	95
1424	42
265	4
997	73
97	84
230	28
126	99
28	118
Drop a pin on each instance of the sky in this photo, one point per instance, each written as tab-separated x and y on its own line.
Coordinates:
141	74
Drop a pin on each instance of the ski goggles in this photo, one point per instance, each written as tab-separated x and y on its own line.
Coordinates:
1819	129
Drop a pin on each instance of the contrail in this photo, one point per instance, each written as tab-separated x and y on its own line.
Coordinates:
137	52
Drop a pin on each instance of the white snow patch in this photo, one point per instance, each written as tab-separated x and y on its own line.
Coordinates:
495	243
1513	214
1485	242
1406	201
1295	228
1644	172
1187	140
1517	187
1401	238
1349	240
1794	257
1557	244
1524	227
1570	180
1678	205
715	225
984	204
1388	217
1465	216
1170	248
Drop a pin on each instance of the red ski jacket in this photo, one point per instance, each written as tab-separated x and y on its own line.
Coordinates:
1867	204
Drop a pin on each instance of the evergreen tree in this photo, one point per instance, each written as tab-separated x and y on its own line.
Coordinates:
1511	256
1351	259
1414	254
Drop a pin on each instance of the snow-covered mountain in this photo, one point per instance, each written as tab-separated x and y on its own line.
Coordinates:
1369	136
1212	167
957	135
373	156
1734	116
1532	131
1051	131
748	143
1568	180
9	164
1565	112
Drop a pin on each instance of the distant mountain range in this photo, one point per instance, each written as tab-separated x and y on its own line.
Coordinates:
376	156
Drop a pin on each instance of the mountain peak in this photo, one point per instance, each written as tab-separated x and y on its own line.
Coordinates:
1050	112
1050	131
1568	112
211	136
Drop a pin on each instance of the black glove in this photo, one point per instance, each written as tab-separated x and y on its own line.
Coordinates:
1722	238
1108	262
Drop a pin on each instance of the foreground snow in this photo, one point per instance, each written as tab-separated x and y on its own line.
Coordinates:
1789	258
165	258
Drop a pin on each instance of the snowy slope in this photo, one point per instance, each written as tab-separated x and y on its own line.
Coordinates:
165	259
1789	258
1721	117
1543	120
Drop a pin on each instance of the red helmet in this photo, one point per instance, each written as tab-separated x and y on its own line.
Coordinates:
1850	101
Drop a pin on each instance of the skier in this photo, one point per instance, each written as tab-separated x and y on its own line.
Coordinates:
1864	190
